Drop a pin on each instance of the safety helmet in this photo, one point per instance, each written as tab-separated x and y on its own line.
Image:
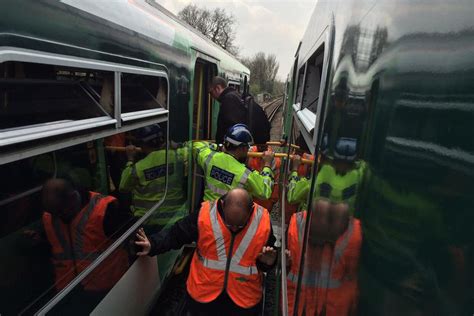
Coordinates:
149	133
346	149
239	135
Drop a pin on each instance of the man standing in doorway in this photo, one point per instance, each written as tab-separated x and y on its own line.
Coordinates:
232	110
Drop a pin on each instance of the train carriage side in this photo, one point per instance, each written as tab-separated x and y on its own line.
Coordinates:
78	83
394	138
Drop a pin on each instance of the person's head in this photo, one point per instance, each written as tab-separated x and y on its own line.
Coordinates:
237	205
151	136
345	154
237	141
217	85
61	198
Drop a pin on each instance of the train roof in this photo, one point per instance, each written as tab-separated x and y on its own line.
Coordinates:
132	29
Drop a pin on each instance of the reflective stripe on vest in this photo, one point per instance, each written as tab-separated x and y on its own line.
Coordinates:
209	158
234	266
300	221
76	251
243	179
323	278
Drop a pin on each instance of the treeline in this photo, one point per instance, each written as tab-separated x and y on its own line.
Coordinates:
219	26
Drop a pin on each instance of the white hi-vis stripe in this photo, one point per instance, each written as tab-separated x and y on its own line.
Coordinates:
215	189
76	251
234	266
322	278
243	179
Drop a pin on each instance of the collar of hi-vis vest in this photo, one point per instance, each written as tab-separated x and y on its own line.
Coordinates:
220	263
75	249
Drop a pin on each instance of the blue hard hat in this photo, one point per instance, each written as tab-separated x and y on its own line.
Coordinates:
346	149
239	135
149	133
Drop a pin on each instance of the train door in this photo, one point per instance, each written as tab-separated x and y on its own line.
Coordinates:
308	201
203	119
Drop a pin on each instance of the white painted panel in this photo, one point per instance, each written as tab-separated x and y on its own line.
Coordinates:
135	291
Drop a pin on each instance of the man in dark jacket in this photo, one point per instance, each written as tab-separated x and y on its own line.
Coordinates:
232	110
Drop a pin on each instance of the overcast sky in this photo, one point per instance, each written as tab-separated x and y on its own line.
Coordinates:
271	26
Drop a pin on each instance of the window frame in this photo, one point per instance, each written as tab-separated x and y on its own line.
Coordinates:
308	121
89	129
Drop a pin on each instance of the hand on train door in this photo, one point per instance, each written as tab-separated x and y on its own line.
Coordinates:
267	256
143	242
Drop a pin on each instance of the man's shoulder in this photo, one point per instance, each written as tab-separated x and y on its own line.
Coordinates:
230	94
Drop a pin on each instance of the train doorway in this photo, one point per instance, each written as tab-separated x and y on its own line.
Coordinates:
204	122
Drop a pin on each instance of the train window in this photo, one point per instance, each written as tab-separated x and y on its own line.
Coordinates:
141	92
299	89
312	83
32	94
137	181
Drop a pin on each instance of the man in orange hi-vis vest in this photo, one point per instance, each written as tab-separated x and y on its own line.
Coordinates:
78	225
234	246
329	283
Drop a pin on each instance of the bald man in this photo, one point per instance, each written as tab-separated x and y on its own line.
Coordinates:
234	246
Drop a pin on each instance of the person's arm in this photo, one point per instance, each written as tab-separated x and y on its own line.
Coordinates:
129	178
298	189
116	219
183	232
265	267
260	185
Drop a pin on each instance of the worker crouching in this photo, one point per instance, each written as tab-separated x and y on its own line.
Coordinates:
234	246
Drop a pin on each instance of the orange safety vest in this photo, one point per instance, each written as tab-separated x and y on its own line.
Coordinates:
256	163
76	245
295	240
330	279
223	262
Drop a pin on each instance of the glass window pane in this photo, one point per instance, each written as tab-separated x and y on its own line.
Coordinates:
35	93
140	92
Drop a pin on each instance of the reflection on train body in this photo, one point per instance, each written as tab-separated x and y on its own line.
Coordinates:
329	283
46	247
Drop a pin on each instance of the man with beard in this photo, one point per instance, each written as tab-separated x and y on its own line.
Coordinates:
226	170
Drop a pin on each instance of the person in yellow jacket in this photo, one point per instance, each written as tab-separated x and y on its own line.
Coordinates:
338	177
226	170
234	246
146	178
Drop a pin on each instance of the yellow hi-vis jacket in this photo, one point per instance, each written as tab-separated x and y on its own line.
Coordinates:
223	172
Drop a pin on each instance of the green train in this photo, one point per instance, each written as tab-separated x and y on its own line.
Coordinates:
79	82
386	89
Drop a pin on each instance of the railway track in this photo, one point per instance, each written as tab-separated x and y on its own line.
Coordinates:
272	107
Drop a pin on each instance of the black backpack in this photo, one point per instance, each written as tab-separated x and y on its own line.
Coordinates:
257	120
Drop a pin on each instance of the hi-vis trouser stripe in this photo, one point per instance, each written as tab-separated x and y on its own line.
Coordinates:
234	266
322	278
75	252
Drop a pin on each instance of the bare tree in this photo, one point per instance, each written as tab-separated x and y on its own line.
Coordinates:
217	25
263	69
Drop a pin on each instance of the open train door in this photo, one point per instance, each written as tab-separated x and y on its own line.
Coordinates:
203	122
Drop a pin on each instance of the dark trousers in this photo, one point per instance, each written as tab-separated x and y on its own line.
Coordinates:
221	306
